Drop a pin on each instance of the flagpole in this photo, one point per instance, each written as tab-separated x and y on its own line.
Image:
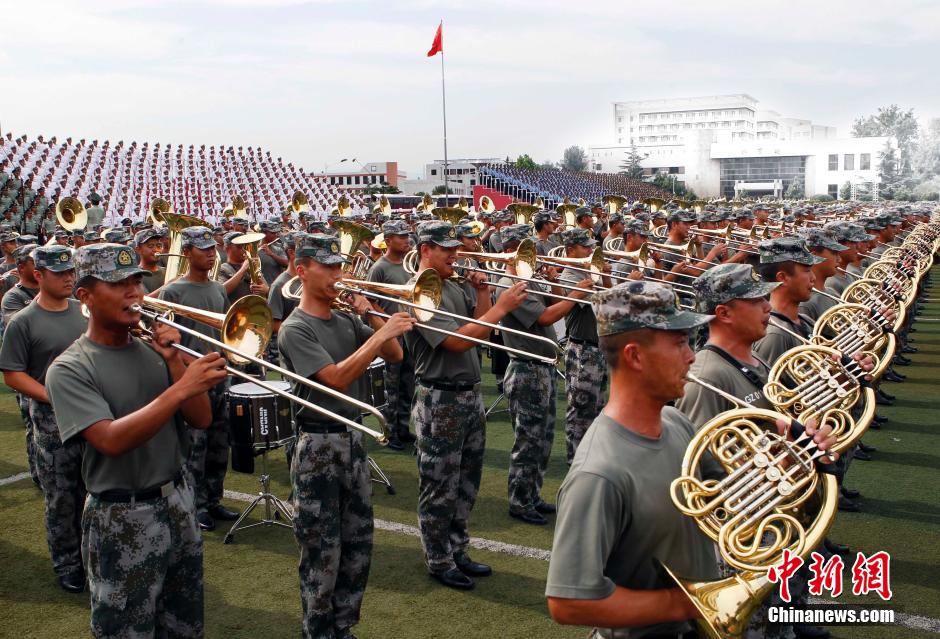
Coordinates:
444	109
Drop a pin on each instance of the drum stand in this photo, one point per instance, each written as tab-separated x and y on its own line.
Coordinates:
273	506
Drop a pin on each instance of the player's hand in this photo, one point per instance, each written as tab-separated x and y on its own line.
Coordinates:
164	336
477	281
823	437
203	374
512	298
360	304
396	325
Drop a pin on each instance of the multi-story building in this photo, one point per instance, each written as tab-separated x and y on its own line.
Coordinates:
724	144
369	174
462	176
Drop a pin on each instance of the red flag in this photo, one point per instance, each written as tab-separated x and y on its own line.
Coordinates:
438	45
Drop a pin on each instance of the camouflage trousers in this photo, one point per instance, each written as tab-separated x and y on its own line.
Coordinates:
59	467
585	379
207	461
23	402
332	499
530	388
399	392
451	431
144	563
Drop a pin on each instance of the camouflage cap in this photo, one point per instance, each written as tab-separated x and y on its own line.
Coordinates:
396	227
440	233
107	262
642	215
142	237
238	219
24	253
320	227
8	236
90	236
543	216
681	215
270	226
23	240
616	218
743	214
817	238
846	231
581	237
199	237
140	224
635	305
873	224
637	227
515	233
290	240
61	233
117	236
726	282
710	216
228	237
321	247
660	214
469	230
54	257
786	249
582	211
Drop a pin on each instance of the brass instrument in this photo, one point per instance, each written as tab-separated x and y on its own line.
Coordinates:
245	329
343	207
176	265
158	207
486	205
449	214
426	204
351	236
654	203
423	296
614	203
888	272
522	213
71	214
871	293
299	203
463	205
251	242
593	264
755	512
239	208
524	259
567	212
853	328
382	207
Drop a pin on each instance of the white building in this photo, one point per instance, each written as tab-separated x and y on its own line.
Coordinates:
462	176
369	174
723	144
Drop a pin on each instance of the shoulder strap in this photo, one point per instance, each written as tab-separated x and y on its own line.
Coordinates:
748	374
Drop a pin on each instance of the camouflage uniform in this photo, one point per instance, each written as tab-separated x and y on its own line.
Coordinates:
23	402
333	526
144	560
209	452
451	431
530	388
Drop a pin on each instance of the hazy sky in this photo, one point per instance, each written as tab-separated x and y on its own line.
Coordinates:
315	82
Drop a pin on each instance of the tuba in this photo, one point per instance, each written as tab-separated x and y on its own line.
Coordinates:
251	243
382	207
176	264
70	213
239	208
614	203
486	205
449	214
522	213
299	203
654	203
158	206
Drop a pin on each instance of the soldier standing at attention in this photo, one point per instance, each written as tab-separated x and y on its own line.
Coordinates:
448	411
36	336
399	376
530	388
95	211
209	450
127	401
329	471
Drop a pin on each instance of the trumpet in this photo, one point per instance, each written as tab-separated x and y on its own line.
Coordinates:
246	329
423	297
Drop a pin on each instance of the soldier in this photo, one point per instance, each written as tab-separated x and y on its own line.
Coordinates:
399	376
271	252
329	471
127	402
95	212
148	243
545	227
821	245
207	462
24	288
585	370
448	412
786	260
36	336
530	387
281	307
234	273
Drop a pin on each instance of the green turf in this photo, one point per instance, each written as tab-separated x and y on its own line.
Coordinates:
252	586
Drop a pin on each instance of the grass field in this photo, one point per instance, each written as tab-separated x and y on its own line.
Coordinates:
252	585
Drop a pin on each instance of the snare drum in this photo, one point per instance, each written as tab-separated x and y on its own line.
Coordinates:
259	420
376	376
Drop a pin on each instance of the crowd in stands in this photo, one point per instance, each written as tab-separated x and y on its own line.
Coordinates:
553	185
199	181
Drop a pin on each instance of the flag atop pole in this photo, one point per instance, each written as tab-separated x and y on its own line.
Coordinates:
438	45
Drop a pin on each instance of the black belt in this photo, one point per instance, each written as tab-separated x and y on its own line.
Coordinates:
322	428
578	340
456	387
126	496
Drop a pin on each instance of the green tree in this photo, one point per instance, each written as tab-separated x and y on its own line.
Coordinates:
574	159
525	162
441	190
631	164
895	122
381	188
927	158
548	164
796	189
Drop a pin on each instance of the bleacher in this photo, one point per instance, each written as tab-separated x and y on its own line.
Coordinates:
553	185
198	181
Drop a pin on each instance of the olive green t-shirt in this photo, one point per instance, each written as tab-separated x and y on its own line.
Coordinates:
816	305
155	280
838	283
36	336
89	383
387	272
525	318
616	520
243	288
206	296
309	344
15	300
580	320
433	362
269	268
281	306
777	341
700	404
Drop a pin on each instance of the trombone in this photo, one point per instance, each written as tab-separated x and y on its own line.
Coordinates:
423	296
244	325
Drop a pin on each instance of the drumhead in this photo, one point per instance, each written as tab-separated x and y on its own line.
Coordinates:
250	389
